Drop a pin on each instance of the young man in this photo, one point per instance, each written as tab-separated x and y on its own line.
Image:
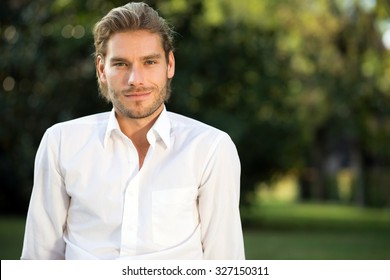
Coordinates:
138	182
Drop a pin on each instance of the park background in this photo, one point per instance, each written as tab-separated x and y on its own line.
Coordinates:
302	87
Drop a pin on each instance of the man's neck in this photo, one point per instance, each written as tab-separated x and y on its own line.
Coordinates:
136	130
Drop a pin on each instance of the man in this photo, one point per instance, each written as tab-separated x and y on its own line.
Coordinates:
138	182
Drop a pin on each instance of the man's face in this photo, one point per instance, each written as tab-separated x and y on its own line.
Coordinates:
136	73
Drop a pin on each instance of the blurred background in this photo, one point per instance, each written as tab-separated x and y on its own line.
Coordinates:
302	87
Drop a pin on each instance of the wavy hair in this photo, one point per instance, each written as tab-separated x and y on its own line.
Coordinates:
130	17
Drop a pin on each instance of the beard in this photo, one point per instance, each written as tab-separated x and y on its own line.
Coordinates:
139	110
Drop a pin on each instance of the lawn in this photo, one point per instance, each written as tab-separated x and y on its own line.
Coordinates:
283	232
313	216
11	237
316	245
290	231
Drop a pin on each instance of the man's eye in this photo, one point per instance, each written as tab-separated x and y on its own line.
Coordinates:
150	62
119	64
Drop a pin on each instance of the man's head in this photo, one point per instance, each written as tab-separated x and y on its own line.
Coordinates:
130	17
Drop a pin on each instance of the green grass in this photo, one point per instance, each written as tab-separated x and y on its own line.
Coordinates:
283	232
311	216
11	237
316	231
316	245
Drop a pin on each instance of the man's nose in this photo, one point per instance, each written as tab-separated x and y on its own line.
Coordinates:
136	77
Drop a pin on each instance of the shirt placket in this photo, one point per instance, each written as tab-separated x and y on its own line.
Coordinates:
129	230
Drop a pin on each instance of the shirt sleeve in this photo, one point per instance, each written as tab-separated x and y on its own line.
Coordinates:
219	197
46	218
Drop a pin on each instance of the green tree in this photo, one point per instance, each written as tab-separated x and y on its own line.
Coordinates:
301	86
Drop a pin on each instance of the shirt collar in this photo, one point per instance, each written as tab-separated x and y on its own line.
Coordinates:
161	130
112	125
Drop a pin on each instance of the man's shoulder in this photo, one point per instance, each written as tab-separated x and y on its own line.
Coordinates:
206	137
181	123
84	122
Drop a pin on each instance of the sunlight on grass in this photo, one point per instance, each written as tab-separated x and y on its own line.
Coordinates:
278	227
284	189
345	179
312	216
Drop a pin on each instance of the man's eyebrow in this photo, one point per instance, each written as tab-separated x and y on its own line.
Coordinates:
117	58
146	57
152	56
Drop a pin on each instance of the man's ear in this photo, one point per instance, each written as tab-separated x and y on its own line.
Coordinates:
171	65
100	68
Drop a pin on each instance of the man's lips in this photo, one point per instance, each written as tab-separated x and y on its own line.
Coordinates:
137	95
136	91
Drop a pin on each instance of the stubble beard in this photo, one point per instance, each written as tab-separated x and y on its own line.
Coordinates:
139	111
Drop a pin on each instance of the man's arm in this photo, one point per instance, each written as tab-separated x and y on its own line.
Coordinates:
219	197
46	219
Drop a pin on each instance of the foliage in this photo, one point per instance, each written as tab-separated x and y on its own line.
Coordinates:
48	76
301	86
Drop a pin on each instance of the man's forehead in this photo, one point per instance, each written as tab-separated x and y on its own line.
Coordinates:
139	42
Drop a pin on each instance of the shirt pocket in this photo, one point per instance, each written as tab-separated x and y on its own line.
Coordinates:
174	215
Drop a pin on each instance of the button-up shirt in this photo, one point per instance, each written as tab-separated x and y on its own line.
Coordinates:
91	200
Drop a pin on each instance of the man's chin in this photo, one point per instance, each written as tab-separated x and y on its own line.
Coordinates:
139	112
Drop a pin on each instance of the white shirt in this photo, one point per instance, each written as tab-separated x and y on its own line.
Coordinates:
90	200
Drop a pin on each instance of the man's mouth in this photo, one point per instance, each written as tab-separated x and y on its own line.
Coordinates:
137	95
